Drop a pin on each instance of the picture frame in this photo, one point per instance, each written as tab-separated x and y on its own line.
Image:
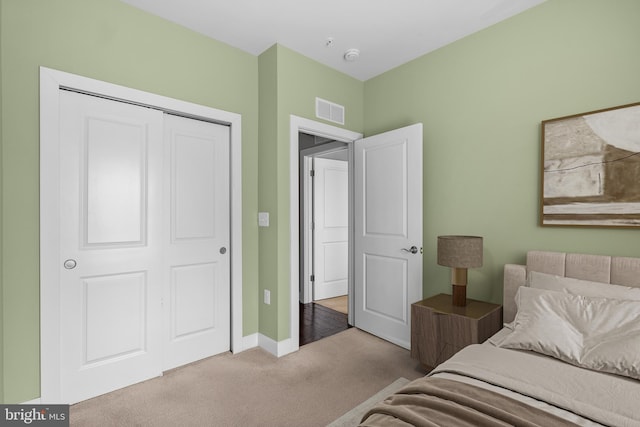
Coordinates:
591	169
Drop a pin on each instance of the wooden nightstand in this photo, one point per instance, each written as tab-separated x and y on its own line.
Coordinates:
439	329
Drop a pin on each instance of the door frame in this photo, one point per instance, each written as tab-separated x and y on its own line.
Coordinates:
51	82
297	125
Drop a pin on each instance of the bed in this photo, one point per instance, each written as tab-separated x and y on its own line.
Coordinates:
569	353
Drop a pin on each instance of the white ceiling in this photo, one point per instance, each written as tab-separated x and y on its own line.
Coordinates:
387	32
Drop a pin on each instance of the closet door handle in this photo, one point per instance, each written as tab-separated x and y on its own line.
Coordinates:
412	249
70	264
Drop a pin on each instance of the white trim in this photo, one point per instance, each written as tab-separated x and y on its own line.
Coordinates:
307	217
37	401
296	125
277	348
250	341
50	83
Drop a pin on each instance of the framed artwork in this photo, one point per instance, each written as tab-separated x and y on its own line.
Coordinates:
591	169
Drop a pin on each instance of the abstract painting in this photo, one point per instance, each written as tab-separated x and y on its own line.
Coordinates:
591	169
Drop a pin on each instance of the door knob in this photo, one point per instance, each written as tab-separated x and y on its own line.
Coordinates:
412	249
70	264
223	250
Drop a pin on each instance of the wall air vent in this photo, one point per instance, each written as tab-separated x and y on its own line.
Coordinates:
329	111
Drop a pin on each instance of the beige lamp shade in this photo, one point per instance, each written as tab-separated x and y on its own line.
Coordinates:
460	251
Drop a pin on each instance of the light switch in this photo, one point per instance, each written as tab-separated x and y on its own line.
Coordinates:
263	219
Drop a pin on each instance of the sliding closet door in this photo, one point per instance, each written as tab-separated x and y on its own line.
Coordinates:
111	242
144	241
197	306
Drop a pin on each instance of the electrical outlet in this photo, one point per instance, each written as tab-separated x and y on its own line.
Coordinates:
267	296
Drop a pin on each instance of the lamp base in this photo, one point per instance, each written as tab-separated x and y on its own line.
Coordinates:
459	294
459	285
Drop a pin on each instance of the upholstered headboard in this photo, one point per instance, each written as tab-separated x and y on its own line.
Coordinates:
597	268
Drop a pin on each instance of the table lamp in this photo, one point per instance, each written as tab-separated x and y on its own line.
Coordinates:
459	253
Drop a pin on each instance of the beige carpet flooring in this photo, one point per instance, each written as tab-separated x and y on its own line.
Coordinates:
338	303
311	387
354	416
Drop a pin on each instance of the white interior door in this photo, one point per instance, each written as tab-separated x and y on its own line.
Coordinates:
197	308
331	228
388	232
110	244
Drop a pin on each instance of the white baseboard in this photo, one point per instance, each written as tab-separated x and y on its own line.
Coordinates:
249	341
37	401
276	348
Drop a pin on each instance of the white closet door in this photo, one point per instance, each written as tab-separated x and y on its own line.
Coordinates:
144	243
110	244
197	302
331	228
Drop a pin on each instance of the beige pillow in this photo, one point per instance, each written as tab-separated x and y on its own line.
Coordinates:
586	288
595	333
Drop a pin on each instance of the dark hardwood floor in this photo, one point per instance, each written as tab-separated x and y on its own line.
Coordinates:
318	322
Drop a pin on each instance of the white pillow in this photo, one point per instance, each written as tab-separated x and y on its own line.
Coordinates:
595	333
586	288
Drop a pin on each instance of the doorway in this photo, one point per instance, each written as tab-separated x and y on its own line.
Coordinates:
324	237
297	125
385	311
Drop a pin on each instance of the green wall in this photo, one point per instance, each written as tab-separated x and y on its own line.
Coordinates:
289	84
268	189
481	100
110	41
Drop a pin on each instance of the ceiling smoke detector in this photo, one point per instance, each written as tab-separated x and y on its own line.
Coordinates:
352	55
